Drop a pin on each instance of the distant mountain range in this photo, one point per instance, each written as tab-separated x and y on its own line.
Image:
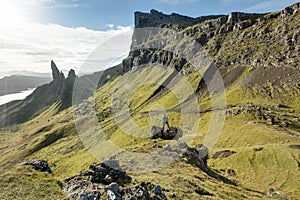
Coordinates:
24	73
17	83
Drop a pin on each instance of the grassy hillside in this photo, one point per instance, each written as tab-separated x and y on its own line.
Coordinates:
263	159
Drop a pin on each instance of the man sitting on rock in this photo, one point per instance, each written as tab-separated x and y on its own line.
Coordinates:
165	120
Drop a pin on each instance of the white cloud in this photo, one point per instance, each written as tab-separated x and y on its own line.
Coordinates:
37	2
111	26
31	46
48	3
176	2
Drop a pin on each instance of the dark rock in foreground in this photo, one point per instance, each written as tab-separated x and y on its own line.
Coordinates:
107	181
39	165
167	134
107	172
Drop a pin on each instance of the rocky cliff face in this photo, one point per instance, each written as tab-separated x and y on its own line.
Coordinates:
202	28
156	18
238	39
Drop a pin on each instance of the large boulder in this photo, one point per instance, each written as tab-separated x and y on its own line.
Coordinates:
39	165
197	156
167	134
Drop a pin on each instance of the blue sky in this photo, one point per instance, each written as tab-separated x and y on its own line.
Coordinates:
96	14
34	32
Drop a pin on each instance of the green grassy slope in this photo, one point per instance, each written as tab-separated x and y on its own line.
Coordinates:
54	138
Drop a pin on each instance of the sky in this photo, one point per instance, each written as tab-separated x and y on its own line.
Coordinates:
34	32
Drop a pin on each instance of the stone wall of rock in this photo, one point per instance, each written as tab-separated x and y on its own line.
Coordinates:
159	19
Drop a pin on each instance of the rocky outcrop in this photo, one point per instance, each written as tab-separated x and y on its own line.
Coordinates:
238	16
290	10
107	180
39	165
198	157
223	154
166	134
107	172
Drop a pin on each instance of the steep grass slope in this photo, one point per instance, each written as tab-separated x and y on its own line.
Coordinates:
262	160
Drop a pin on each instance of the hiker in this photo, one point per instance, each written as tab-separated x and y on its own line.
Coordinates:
272	120
165	120
286	124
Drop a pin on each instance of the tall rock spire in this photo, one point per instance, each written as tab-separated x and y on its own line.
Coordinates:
55	73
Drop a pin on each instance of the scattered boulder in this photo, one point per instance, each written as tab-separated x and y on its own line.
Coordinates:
112	195
22	147
203	192
114	187
143	191
295	146
273	192
223	154
167	134
157	190
136	192
279	105
182	145
258	149
39	165
231	172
